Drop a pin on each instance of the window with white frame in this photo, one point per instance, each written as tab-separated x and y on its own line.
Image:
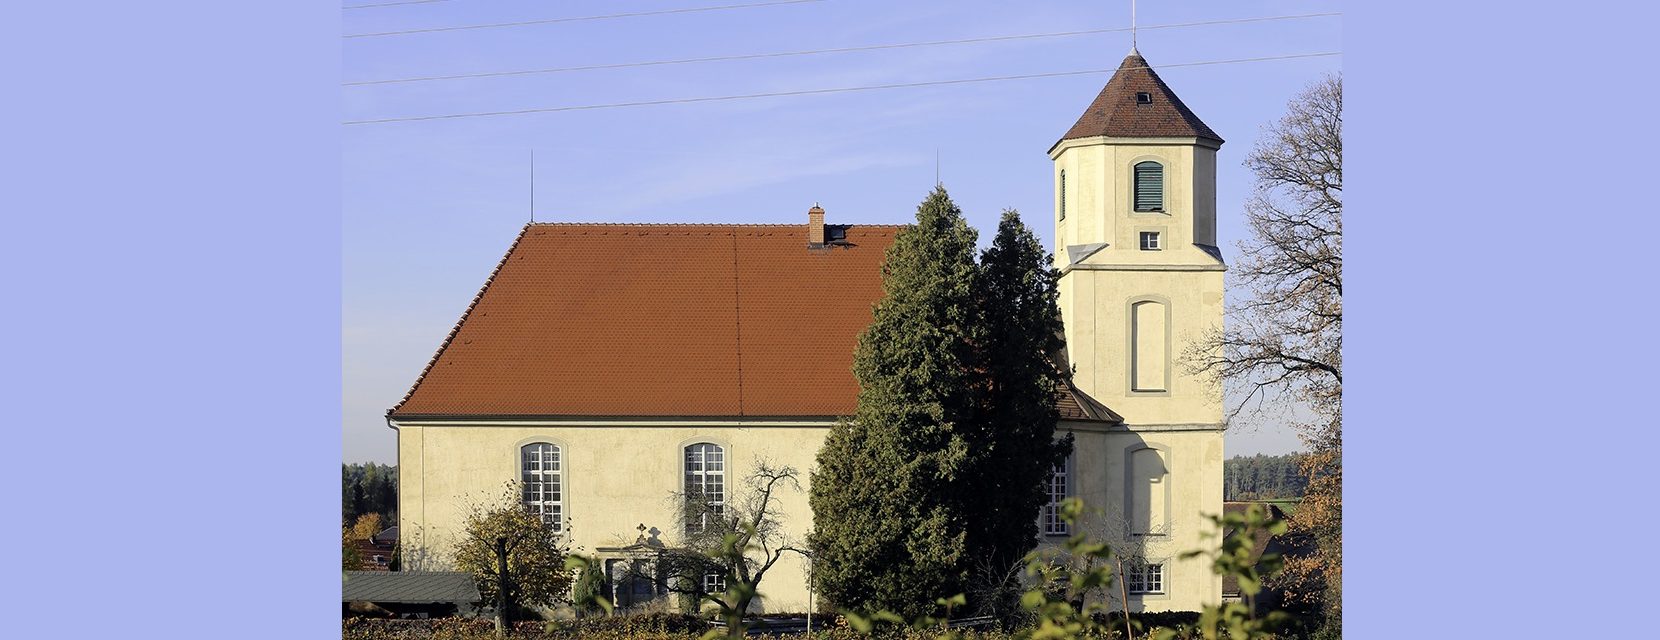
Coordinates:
1150	241
714	583
539	474
1144	577
705	485
1053	524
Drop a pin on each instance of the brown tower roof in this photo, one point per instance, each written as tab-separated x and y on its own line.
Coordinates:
1117	112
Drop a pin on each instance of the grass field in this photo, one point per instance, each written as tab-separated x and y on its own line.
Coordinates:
1288	505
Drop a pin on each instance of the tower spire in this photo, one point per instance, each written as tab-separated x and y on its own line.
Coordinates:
1132	28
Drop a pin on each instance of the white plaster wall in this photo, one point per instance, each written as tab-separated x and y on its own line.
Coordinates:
1194	460
615	478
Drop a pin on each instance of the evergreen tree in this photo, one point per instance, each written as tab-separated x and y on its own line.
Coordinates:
1017	450
887	494
368	488
1264	477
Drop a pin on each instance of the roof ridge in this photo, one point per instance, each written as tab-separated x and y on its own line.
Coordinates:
699	224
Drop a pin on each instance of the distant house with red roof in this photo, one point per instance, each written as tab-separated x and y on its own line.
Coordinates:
375	552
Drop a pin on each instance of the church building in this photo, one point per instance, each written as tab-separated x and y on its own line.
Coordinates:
606	368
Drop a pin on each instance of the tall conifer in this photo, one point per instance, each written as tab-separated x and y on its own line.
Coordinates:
1021	334
886	497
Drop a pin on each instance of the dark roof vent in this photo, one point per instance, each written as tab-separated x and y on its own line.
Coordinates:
1143	97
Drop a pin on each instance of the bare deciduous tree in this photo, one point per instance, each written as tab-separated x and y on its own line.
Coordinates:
1284	342
1287	334
748	525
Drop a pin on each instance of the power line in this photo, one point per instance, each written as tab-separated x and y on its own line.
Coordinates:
803	92
389	4
634	14
783	54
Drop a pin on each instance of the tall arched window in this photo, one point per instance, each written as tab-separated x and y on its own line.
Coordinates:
1149	186
1149	485
539	473
1063	194
1059	488
705	485
1149	346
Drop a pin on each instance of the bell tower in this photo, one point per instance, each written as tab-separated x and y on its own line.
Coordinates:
1135	235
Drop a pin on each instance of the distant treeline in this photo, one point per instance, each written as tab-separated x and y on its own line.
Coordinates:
1261	477
368	488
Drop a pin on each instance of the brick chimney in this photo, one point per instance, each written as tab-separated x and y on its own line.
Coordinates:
815	226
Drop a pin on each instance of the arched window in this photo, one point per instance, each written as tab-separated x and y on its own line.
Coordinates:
539	467
1149	486
705	485
1149	186
1058	489
1063	194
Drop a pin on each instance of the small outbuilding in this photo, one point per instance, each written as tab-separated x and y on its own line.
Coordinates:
408	594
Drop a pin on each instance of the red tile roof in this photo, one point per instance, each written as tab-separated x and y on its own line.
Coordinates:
667	320
661	320
1116	112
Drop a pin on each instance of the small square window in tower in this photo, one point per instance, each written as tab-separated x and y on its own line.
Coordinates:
1149	241
1143	97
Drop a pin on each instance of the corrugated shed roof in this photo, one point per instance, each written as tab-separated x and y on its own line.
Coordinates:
1116	112
409	586
661	320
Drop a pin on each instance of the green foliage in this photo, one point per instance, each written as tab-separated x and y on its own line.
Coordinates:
946	458
368	488
588	590
741	586
1014	447
887	494
1235	620
1263	477
536	569
1066	580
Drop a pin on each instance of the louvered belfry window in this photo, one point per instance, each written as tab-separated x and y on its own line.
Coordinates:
1149	186
1063	194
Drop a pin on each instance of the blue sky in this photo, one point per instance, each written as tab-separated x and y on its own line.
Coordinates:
429	207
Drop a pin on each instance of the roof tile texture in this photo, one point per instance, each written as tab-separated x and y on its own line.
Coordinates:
1115	111
661	320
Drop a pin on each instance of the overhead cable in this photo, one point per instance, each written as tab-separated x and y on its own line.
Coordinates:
802	92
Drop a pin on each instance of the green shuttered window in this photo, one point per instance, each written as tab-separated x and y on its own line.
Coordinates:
1063	194
1149	186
